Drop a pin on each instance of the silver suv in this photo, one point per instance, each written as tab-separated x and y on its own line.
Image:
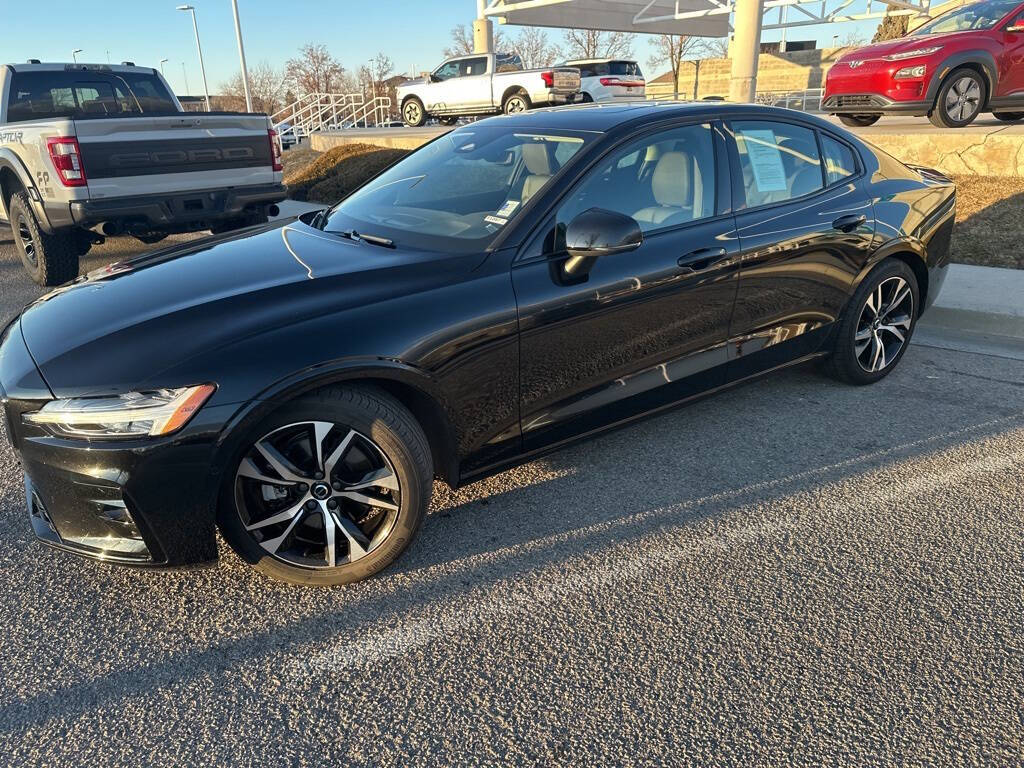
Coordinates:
93	150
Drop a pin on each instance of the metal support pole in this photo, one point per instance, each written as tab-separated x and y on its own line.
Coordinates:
483	30
241	55
745	49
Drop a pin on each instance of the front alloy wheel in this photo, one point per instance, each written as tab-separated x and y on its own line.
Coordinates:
330	490
960	100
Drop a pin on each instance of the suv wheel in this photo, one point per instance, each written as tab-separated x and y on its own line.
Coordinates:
413	113
49	259
859	121
328	490
960	100
876	325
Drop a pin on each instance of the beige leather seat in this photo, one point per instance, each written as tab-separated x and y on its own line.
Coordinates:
539	163
678	191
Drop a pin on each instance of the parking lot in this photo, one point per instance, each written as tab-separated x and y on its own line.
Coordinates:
795	572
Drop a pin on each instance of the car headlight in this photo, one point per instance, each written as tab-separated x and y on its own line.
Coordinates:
917	71
151	413
913	53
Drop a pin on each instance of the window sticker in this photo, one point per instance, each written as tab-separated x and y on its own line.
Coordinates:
496	220
766	160
508	208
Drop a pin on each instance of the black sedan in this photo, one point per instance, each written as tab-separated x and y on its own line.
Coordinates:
517	284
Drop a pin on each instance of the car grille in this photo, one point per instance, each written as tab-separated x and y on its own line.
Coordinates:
854	100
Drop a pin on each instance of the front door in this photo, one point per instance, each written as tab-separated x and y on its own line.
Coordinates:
1011	63
636	330
805	228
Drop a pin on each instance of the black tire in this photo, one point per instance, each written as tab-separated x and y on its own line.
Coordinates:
1008	117
844	363
586	98
49	259
151	238
413	113
859	121
370	412
516	102
448	120
962	81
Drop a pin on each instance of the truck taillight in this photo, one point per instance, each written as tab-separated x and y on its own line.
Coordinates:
67	160
275	151
548	78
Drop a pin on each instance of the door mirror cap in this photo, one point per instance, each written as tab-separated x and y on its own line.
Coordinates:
1017	25
599	232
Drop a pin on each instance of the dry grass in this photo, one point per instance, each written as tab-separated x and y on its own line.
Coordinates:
297	158
330	176
989	221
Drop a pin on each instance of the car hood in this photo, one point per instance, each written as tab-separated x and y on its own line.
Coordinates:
878	50
118	328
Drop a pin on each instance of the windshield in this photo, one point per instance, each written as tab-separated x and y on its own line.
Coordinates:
983	15
458	192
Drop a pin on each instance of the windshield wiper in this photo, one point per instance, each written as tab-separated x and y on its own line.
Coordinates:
351	234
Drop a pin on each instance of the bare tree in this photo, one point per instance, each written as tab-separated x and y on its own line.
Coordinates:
852	40
533	48
594	44
717	47
266	85
314	70
462	42
674	50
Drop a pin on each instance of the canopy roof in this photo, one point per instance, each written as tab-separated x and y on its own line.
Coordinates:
644	16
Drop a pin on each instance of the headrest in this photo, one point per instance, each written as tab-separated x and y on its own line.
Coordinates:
672	178
538	161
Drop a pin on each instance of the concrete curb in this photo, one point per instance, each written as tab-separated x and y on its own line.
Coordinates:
980	300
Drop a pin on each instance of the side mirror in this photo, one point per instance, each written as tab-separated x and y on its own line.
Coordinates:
599	232
433	78
1017	25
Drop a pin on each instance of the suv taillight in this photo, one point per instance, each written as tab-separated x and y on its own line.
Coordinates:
548	78
624	83
67	160
275	151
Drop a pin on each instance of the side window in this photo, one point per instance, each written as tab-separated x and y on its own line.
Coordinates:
472	67
663	180
779	161
447	70
839	160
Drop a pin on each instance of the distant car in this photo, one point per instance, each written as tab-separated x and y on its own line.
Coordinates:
287	135
609	79
964	62
484	84
517	284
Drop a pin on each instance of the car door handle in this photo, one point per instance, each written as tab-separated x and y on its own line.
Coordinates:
701	259
850	222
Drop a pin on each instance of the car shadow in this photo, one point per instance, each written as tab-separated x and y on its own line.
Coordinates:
711	461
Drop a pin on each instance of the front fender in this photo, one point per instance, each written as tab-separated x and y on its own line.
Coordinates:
979	57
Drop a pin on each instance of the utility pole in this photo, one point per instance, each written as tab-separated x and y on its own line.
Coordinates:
241	55
745	49
199	47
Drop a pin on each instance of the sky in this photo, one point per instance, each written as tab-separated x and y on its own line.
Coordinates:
412	33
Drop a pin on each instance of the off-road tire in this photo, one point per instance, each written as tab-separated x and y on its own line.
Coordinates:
54	257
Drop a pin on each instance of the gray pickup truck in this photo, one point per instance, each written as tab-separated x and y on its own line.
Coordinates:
93	150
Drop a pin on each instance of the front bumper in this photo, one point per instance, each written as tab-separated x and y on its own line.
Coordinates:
180	211
872	104
141	502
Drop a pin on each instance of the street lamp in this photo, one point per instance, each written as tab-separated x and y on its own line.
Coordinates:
184	74
199	47
74	54
162	62
241	55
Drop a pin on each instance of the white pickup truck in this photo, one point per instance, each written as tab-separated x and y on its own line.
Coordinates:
92	150
484	84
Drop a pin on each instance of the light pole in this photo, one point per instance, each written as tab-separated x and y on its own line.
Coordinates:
199	47
162	62
184	74
74	54
241	55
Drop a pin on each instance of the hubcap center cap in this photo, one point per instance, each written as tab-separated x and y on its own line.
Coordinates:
320	491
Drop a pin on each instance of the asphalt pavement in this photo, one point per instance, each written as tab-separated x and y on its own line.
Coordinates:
795	572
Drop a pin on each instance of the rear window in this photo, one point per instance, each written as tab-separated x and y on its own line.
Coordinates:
85	93
604	68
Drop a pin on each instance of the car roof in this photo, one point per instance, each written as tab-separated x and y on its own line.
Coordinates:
607	116
54	66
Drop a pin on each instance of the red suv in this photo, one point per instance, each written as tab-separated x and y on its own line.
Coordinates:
965	62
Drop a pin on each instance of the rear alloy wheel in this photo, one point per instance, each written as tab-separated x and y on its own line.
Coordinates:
332	491
877	325
1008	117
516	103
413	113
859	121
960	100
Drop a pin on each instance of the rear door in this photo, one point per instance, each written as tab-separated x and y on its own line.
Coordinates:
639	330
805	229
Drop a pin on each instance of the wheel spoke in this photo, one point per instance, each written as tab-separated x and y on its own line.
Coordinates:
249	469
329	535
272	545
337	454
372	501
358	544
381	478
281	465
280	517
893	330
902	291
320	431
878	358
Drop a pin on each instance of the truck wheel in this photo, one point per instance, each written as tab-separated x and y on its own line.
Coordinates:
413	113
516	102
1008	117
447	120
859	121
960	100
49	259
